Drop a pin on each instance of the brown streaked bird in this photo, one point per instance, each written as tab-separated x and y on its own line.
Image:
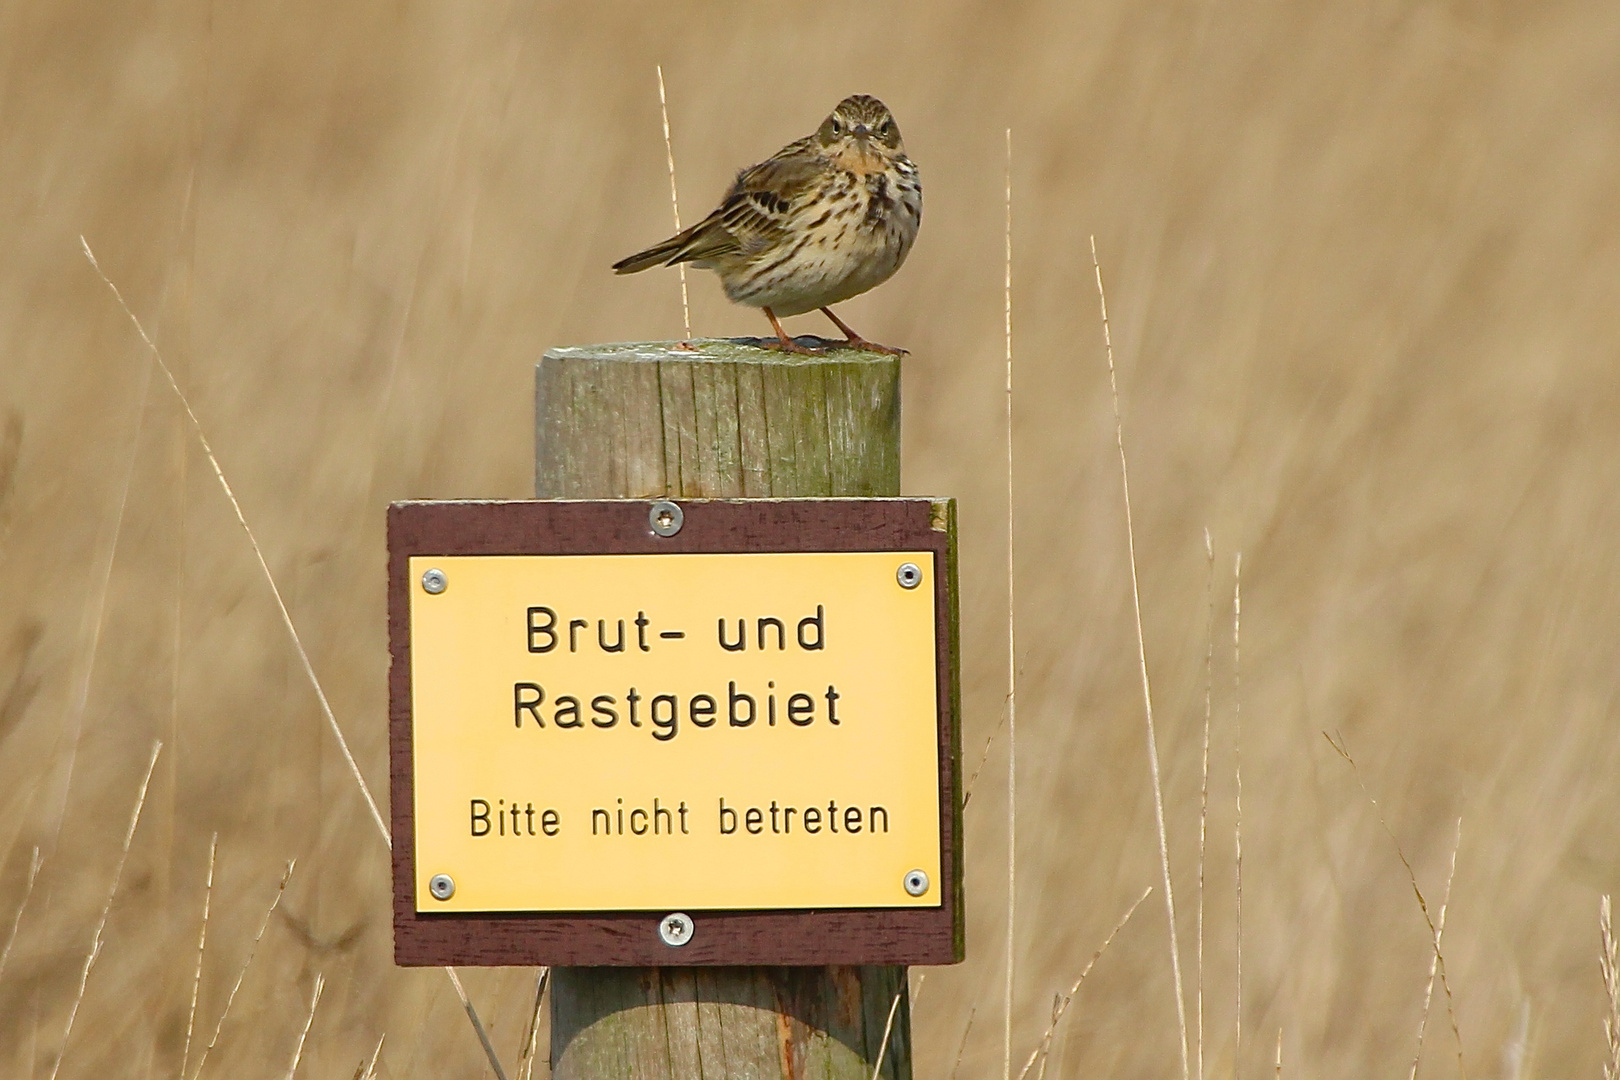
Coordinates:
823	219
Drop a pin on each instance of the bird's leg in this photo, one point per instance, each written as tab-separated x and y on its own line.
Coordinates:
787	343
855	341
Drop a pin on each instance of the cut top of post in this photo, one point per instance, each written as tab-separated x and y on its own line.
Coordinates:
715	418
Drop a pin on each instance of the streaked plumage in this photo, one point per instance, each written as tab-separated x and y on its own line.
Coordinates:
824	219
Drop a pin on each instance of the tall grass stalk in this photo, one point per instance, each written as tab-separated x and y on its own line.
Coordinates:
286	619
1062	1005
888	1029
34	862
202	944
258	552
478	1025
674	200
967	789
1440	929
101	921
526	1058
95	613
1203	781
1237	802
1423	905
1609	964
961	1047
371	1066
1141	653
309	1020
230	998
1012	654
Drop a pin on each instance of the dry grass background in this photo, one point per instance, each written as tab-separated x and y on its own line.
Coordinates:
1361	261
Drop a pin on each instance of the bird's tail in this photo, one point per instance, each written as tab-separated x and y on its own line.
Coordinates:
659	254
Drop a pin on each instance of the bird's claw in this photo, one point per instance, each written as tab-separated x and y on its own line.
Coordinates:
871	346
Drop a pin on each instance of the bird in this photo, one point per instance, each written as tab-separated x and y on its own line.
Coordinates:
825	218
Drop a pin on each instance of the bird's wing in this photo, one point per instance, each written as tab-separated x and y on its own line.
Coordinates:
754	216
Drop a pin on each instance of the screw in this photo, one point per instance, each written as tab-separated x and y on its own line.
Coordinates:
665	518
675	929
434	581
441	886
908	575
916	882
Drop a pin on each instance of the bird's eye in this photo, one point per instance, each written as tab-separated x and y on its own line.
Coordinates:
837	128
887	128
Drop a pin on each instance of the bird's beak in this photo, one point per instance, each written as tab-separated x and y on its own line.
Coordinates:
860	131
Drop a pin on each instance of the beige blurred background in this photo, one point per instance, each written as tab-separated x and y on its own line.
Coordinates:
1361	261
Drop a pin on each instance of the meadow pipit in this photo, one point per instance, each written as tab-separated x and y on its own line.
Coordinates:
821	220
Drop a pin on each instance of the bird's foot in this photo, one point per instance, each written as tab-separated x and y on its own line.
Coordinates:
788	345
871	346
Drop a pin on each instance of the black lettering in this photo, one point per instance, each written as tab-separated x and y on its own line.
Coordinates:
641	630
832	815
568	706
532	705
517	820
669	725
574	627
872	818
812	819
607	822
832	705
500	818
728	819
754	820
732	698
852	819
601	636
742	642
773	816
681	810
643	830
706	709
781	632
787	818
550	823
602	707
548	628
801	705
528	812
818	621
480	816
661	819
632	697
770	703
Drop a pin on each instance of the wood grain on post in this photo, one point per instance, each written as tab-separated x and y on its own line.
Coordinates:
721	419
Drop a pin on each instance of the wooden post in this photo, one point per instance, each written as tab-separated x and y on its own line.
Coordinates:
721	420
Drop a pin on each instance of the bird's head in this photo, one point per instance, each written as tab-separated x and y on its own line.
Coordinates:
863	124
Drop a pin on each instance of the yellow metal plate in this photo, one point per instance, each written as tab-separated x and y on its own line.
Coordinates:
571	754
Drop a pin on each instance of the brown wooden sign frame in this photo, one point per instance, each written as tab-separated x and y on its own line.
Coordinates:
931	935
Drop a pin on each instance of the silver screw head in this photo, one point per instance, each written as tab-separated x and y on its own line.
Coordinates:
909	576
441	886
665	518
434	581
675	929
916	882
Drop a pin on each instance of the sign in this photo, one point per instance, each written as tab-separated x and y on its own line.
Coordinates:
732	726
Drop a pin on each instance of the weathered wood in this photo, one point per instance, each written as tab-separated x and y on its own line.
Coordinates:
809	1023
720	419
